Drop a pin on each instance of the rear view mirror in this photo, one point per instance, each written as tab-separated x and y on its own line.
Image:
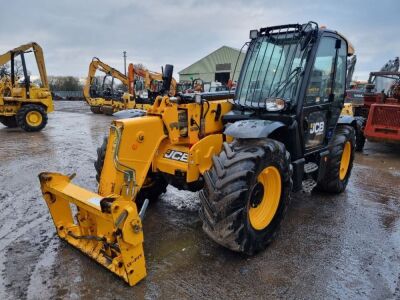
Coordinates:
306	39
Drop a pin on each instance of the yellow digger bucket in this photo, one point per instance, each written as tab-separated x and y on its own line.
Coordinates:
108	229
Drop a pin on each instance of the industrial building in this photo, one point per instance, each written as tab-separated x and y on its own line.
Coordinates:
216	66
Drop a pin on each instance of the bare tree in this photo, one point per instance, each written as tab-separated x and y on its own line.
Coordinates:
18	69
4	70
139	66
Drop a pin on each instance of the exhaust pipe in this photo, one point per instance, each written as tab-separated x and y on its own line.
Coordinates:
167	78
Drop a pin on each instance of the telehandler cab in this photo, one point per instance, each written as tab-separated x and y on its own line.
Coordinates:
24	104
281	133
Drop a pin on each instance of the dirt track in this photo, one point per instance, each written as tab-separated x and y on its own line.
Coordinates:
345	246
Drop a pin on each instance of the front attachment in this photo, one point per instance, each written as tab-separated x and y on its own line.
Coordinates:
108	229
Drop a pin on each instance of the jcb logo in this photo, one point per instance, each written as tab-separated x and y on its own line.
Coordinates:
317	128
176	155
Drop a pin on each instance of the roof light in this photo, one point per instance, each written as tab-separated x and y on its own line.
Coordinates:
253	34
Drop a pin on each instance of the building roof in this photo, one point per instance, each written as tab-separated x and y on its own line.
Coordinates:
188	70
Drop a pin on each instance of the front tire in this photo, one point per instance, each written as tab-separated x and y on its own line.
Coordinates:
340	161
31	117
246	194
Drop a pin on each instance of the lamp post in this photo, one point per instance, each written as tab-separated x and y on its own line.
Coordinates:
124	52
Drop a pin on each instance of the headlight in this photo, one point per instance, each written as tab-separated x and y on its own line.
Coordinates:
275	104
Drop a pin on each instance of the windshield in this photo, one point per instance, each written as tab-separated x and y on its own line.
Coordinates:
384	83
271	69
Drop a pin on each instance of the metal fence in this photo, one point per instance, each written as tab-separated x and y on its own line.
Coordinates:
69	95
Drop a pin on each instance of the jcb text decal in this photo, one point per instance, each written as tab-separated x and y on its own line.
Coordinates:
317	128
176	155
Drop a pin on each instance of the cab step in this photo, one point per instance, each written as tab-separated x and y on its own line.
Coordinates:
310	167
308	185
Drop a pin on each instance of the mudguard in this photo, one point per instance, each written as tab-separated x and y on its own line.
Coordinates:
347	120
129	113
252	129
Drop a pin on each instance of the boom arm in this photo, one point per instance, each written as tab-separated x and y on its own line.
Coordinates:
6	57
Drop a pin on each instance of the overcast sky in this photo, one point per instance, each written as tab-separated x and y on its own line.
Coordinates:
180	32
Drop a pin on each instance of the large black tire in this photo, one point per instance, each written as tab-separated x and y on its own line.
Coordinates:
331	182
154	187
23	122
95	109
10	122
229	192
360	138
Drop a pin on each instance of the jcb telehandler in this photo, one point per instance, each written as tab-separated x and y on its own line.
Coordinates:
24	104
280	134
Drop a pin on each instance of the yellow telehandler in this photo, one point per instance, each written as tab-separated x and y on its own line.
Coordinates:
24	104
281	133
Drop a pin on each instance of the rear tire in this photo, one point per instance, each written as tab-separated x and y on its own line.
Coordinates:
334	180
95	109
360	138
233	188
9	122
31	117
153	188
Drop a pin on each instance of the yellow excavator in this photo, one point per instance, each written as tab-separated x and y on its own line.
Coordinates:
280	133
146	85
101	96
22	103
142	87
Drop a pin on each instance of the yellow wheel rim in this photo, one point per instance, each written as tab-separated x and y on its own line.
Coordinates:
345	161
34	118
265	198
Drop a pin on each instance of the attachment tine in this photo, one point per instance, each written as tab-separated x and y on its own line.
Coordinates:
143	209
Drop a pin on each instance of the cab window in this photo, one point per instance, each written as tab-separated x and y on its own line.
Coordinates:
320	84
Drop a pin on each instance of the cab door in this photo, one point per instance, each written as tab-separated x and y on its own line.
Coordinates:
325	92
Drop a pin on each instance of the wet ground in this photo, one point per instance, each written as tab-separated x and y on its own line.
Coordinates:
345	246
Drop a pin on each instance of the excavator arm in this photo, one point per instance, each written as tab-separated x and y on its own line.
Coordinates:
6	57
148	77
95	65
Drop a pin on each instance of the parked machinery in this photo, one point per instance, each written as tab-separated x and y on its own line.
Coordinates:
383	121
22	103
103	97
281	133
376	90
146	85
140	88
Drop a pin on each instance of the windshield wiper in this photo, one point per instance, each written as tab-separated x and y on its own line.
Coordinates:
287	81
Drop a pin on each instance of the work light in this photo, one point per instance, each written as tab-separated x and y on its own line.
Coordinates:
274	104
253	34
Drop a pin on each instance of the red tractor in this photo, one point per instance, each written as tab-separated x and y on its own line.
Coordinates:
383	108
378	114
